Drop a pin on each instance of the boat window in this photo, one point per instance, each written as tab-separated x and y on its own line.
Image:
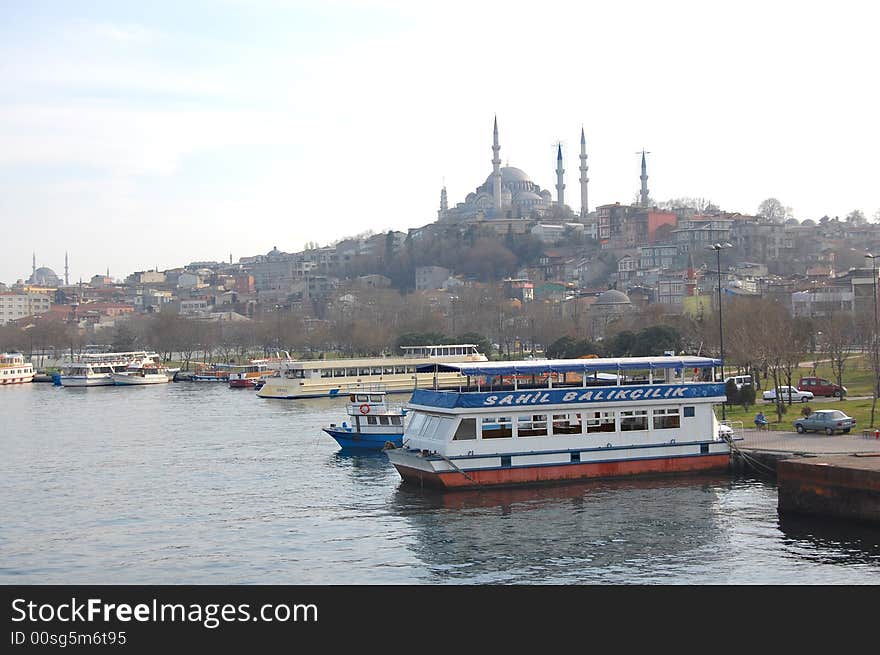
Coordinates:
363	371
688	411
410	369
395	420
371	420
326	373
388	370
400	370
339	373
566	424
496	427
531	425
375	398
298	374
431	427
383	420
665	419
600	422
376	370
467	429
416	425
636	419
362	398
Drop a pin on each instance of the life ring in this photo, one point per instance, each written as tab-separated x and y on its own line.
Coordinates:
364	409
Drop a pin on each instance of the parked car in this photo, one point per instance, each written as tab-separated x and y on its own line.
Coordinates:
828	421
821	387
740	381
789	393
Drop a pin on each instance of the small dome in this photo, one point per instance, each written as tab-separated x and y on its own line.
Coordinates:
792	221
527	196
612	297
809	222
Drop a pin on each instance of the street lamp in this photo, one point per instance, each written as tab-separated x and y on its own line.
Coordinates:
718	247
873	259
874	353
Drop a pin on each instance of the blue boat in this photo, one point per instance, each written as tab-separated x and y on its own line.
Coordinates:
371	422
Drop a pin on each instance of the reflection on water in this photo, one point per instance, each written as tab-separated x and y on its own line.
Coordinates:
198	483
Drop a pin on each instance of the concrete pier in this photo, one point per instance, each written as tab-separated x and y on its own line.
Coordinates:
831	476
839	486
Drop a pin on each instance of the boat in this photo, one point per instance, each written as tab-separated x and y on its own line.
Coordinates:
371	422
334	377
146	372
97	369
654	417
14	369
246	376
210	373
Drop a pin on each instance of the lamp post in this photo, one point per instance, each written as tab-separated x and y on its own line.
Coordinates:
874	353
718	247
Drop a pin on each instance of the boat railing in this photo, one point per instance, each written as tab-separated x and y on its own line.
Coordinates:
366	387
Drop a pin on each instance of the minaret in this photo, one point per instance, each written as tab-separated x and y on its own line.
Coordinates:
560	185
34	266
444	205
585	209
644	178
496	167
66	271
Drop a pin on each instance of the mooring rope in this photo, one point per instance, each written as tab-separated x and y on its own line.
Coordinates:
747	458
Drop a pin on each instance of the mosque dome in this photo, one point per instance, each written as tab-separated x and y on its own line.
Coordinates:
527	196
809	222
509	174
612	297
45	277
792	221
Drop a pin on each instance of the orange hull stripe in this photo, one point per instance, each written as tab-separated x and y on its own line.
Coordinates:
565	472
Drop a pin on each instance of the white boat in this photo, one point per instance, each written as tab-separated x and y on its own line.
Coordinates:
144	372
14	369
557	420
371	423
97	369
334	377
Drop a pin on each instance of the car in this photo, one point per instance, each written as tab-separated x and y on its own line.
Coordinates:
789	393
828	421
821	387
740	381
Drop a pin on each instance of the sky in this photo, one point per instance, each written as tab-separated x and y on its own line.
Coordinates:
137	136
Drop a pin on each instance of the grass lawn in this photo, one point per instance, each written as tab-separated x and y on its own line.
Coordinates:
860	410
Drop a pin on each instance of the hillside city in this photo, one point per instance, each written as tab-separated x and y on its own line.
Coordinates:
510	268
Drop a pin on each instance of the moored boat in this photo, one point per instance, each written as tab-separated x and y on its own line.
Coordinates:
655	417
97	369
371	422
333	377
140	373
14	369
246	376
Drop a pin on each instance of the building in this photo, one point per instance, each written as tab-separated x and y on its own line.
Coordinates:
508	192
431	277
15	305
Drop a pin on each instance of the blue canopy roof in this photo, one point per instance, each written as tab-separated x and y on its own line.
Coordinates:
540	366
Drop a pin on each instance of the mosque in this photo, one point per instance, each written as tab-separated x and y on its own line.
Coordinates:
509	193
46	277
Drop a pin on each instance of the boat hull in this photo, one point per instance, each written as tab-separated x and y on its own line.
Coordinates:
75	381
364	441
132	380
423	471
22	378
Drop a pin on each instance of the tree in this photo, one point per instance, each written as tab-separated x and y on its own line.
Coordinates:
856	217
839	338
773	210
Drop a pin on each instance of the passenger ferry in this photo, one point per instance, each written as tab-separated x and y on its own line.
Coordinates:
371	423
97	369
558	420
142	372
14	369
333	377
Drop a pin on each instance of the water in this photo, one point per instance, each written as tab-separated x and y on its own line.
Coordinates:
199	483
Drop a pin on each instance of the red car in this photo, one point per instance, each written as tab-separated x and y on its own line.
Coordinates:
821	387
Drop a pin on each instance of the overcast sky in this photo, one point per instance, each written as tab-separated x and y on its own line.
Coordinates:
137	135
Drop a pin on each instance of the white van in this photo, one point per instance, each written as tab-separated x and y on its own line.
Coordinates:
740	381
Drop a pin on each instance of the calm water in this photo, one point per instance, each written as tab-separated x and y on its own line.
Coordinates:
199	483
